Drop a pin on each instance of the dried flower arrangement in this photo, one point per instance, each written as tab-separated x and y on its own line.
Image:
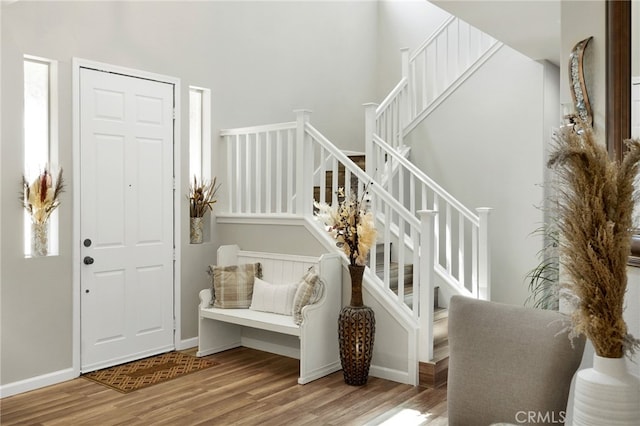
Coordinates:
41	197
351	224
202	196
596	198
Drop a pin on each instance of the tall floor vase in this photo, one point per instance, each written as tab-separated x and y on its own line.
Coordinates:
606	394
356	332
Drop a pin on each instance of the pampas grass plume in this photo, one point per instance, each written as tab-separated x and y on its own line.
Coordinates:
596	197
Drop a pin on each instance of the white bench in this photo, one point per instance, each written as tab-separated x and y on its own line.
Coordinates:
314	342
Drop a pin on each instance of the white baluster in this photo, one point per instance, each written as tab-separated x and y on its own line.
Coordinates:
279	168
484	254
256	155
268	153
290	149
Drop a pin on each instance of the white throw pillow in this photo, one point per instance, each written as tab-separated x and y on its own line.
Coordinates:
276	298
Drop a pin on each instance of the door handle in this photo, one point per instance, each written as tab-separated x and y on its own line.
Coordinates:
88	260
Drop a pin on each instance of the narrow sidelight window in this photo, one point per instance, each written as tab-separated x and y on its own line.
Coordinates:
199	133
40	140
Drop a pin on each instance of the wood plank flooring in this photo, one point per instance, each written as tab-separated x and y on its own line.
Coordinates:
248	387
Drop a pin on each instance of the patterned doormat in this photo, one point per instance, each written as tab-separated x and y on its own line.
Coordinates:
145	372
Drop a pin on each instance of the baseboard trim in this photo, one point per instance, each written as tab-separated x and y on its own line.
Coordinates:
187	344
37	382
391	374
60	376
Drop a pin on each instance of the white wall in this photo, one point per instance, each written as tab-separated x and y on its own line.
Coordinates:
261	61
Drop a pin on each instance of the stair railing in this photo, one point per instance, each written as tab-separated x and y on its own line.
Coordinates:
432	72
271	174
261	172
461	236
414	244
435	69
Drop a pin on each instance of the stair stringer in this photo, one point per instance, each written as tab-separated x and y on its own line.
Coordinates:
395	326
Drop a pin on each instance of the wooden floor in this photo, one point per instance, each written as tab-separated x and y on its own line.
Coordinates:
248	387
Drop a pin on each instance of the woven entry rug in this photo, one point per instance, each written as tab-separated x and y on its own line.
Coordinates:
146	372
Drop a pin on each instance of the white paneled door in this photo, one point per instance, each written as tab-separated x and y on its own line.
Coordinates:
126	223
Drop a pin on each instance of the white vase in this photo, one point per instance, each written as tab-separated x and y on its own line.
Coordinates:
606	394
39	238
197	226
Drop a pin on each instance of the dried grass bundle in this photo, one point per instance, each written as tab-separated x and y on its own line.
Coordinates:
202	196
42	196
596	197
351	224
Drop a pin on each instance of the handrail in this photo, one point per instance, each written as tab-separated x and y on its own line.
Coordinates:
391	96
452	53
455	219
258	129
426	180
432	37
361	174
390	216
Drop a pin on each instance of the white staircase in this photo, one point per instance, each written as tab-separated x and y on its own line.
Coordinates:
273	169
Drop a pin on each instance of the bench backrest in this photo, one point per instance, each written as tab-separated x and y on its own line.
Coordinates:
276	268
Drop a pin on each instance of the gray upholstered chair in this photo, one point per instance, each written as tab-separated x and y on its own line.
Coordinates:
508	364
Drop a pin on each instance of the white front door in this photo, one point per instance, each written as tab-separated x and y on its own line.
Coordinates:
126	223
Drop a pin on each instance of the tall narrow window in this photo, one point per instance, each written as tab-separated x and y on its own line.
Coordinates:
40	142
36	114
199	133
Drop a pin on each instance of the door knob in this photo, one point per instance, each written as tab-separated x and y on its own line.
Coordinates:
88	260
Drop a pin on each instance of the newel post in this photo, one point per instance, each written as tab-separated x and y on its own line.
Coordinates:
304	168
404	53
484	254
427	275
371	160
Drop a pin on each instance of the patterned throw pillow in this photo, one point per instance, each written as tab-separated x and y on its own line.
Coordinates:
276	298
232	286
309	292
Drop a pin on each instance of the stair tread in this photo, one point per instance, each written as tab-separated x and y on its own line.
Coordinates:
440	313
441	352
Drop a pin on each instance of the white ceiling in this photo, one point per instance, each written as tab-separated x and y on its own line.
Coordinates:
531	27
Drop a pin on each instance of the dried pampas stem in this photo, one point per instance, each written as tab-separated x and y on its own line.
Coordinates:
595	205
